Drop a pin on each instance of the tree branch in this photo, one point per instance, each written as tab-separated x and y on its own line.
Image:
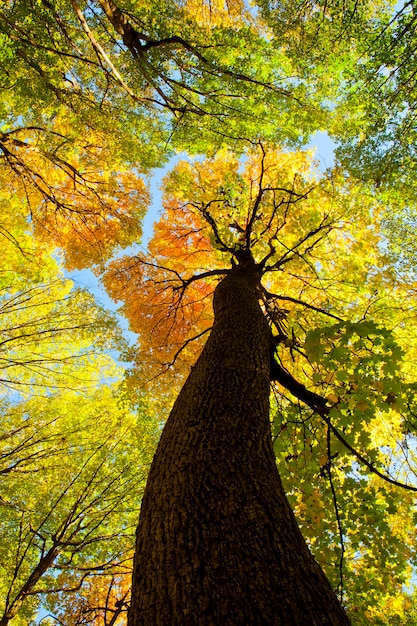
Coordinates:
307	305
319	405
336	510
187	281
133	40
323	227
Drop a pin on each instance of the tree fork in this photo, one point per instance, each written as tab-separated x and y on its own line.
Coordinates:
217	542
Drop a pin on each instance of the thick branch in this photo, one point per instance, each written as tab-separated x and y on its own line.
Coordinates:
319	405
39	570
336	510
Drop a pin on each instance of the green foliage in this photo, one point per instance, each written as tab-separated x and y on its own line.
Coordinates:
72	475
177	78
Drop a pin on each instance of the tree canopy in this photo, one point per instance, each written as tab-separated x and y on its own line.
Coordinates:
94	97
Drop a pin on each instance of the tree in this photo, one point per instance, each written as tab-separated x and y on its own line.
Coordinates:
69	499
73	447
214	468
150	78
377	144
144	73
72	454
383	153
96	93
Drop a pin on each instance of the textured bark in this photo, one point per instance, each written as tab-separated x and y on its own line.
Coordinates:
217	543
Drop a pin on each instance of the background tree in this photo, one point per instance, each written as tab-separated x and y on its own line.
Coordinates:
377	143
70	468
73	448
149	78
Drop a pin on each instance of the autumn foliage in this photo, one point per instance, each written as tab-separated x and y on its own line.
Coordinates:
94	98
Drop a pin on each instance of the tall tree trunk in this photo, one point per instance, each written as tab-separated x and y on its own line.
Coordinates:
217	542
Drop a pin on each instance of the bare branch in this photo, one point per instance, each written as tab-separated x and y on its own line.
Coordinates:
187	281
185	344
212	222
324	227
307	305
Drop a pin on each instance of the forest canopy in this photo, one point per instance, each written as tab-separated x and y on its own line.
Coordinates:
95	98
